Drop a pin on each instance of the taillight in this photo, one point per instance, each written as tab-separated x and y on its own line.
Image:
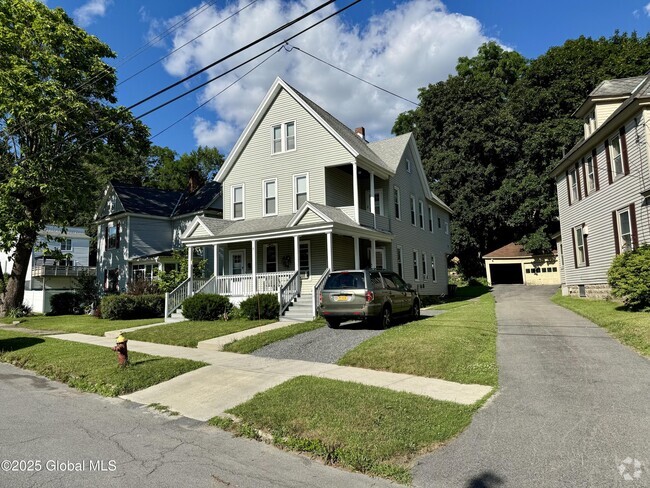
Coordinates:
370	296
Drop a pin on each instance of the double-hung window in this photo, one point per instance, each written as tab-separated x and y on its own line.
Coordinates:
580	250
416	265
112	235
421	214
270	188
66	245
400	266
424	266
573	185
237	202
430	219
284	137
616	156
413	215
300	190
398	203
624	223
433	268
591	175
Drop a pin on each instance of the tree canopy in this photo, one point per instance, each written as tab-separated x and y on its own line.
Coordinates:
56	110
168	171
490	134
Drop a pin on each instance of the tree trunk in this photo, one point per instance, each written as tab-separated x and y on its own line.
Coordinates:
15	286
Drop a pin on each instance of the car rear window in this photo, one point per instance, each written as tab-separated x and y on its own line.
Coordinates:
342	281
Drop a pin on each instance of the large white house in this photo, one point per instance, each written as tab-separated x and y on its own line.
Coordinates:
304	195
603	185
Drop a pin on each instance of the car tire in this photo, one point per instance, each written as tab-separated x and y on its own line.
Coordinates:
415	310
333	323
384	321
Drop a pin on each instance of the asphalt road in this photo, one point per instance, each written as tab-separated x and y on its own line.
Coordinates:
573	408
74	439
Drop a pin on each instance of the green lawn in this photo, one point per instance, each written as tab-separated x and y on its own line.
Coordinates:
87	367
252	343
459	345
83	324
189	334
365	428
631	328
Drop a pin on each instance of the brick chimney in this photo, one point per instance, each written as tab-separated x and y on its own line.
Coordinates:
195	181
361	132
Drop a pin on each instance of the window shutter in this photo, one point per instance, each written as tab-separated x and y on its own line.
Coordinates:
578	182
626	164
117	236
106	238
584	177
584	243
635	234
609	162
568	187
617	244
593	157
575	252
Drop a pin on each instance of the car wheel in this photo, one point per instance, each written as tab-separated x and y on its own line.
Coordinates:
385	319
415	311
333	323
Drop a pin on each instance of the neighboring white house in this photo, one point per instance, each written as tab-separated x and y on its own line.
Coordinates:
603	185
304	195
139	227
47	276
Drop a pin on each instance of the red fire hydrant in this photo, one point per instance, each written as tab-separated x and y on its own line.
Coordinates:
122	352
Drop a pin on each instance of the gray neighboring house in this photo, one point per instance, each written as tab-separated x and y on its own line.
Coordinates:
603	185
139	227
48	276
305	195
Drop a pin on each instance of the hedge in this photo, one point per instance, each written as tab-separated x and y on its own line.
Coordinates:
124	307
261	306
206	306
65	304
629	277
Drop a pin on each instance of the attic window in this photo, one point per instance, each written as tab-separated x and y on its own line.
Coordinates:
590	123
284	137
408	165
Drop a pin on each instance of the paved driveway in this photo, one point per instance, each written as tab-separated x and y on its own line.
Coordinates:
573	408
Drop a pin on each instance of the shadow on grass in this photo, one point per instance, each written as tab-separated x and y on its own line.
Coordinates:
469	292
15	343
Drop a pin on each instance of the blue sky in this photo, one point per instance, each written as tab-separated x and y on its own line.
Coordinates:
398	45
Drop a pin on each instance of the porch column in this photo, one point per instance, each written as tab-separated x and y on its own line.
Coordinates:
355	190
330	255
190	255
254	264
215	269
373	254
372	200
357	263
296	253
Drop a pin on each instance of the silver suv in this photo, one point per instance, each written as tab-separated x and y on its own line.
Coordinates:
369	295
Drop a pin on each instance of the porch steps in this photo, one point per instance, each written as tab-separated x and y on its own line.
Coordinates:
176	316
299	311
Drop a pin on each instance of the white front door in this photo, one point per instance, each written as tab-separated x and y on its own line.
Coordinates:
237	267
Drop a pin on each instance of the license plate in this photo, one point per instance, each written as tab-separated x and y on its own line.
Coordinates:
343	298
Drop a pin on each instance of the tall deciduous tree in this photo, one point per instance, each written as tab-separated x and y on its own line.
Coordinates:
170	172
55	109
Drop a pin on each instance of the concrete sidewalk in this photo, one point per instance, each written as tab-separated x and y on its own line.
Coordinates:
231	379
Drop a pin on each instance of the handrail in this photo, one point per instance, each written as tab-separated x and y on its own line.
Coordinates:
207	287
315	298
289	291
174	298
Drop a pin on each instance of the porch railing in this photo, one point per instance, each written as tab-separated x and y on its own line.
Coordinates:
56	270
208	286
242	284
174	298
318	287
289	291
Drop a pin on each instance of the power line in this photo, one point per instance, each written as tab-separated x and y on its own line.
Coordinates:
291	48
234	53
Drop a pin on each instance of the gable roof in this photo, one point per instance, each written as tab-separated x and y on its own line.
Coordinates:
511	250
348	139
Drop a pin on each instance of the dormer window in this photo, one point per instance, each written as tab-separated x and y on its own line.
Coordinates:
284	137
590	123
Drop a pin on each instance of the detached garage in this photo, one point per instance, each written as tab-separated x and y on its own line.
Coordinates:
510	264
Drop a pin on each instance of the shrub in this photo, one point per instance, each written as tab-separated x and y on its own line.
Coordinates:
206	306
65	304
121	307
629	277
87	289
261	306
144	287
19	312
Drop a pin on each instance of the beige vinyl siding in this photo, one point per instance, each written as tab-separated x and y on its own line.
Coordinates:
604	110
343	252
310	218
315	149
200	231
148	236
410	238
339	188
596	209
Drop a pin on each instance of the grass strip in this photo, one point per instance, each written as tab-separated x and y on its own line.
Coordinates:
365	428
253	343
83	324
630	328
189	334
459	345
88	367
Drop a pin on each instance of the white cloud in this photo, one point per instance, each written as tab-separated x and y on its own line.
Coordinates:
646	9
401	49
88	12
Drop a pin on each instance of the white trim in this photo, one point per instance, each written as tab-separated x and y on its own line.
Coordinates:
303	210
232	201
579	263
425	265
308	243
295	187
265	261
446	227
622	245
434	270
399	261
398	200
416	269
283	137
193	225
421	214
369	208
265	197
413	211
431	227
236	251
